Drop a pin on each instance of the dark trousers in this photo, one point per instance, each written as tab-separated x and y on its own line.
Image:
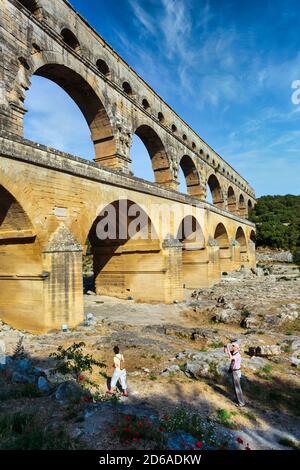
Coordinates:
236	377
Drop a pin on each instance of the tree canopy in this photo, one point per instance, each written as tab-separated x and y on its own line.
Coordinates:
277	221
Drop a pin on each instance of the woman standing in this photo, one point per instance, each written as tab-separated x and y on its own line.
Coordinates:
119	373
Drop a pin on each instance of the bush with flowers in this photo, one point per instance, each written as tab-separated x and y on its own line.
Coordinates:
133	430
73	361
178	430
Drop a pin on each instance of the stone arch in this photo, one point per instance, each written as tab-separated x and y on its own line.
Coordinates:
146	104
190	232
231	200
241	239
103	67
221	236
70	39
34	7
250	207
242	206
159	158
225	255
21	277
192	177
127	88
194	253
161	117
13	218
126	262
252	236
88	102
216	191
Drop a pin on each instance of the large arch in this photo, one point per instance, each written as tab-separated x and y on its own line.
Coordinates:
216	191
190	233
159	158
90	105
221	236
242	241
13	219
225	255
192	177
231	200
252	236
194	253
127	260
21	286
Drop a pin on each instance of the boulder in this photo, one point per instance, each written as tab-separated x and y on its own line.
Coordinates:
68	391
19	378
170	371
227	315
250	322
44	385
207	364
265	350
197	369
23	365
295	361
295	345
211	363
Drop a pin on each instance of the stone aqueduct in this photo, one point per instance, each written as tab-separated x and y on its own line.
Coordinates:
49	200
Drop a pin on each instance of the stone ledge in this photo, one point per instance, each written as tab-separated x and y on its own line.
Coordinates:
12	146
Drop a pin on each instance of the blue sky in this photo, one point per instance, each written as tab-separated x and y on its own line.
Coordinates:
226	67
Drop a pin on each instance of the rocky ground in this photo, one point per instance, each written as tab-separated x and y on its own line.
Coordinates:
176	368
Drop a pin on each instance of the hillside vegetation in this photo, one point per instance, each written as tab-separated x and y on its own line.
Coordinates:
278	222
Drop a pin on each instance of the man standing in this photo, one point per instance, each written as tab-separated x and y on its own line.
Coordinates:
232	350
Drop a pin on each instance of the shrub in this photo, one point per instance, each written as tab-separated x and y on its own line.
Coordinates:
224	417
24	431
73	361
133	429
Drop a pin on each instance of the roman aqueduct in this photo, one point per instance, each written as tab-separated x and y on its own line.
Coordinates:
49	200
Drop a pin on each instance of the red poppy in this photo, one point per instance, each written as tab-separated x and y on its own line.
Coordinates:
239	440
128	418
134	439
166	417
140	424
86	399
136	433
183	444
127	429
81	378
161	429
199	444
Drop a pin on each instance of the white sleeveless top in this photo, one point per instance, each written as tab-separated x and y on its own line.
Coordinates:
117	360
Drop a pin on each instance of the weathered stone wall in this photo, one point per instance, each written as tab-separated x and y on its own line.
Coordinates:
113	112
